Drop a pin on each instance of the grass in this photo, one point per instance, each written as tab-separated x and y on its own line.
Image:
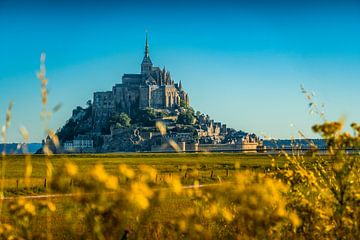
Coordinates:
206	167
58	231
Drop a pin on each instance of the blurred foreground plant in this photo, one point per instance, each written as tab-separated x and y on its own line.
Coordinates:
325	192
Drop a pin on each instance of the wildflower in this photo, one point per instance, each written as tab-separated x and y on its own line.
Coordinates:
141	201
99	173
126	171
273	162
71	169
182	225
112	183
51	206
228	216
295	220
175	184
5	228
30	208
149	171
198	227
140	194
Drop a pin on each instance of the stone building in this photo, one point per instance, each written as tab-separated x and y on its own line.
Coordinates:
151	88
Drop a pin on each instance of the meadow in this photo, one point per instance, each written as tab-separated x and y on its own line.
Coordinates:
181	196
210	169
205	167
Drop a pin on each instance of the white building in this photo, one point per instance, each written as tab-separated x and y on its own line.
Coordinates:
79	144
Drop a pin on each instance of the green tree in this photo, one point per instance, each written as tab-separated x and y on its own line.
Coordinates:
186	117
121	119
145	117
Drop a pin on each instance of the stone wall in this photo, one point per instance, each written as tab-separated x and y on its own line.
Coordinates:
195	147
103	108
158	98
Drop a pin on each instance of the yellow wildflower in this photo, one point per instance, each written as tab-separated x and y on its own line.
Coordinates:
228	216
30	208
99	173
112	183
71	169
126	171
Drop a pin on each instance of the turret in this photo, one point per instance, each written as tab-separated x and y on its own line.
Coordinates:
164	76
168	78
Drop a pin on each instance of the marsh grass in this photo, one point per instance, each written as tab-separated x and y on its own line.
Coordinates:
189	167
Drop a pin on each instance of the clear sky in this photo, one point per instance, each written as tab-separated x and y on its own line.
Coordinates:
242	63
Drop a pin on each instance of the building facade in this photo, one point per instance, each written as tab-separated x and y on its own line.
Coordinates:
81	143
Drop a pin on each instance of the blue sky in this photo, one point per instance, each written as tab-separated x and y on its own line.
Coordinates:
242	63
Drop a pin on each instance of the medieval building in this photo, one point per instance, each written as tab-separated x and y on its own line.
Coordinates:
151	88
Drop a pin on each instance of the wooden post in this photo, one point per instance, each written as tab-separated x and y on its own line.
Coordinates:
17	184
45	183
227	172
212	174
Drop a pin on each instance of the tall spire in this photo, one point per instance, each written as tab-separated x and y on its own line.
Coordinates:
146	46
146	64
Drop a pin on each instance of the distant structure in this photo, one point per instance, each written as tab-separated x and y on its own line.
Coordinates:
151	88
128	117
81	143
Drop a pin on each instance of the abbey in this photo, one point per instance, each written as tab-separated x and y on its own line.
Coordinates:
133	115
151	88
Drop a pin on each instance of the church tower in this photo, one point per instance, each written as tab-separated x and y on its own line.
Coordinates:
146	65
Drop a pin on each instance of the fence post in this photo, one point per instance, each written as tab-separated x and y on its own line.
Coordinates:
212	174
45	183
17	184
227	172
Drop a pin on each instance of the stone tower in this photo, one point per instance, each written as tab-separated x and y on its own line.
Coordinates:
146	65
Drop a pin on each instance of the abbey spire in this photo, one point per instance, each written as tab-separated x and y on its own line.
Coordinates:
146	65
146	47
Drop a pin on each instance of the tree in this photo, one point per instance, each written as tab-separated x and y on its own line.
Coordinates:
145	117
186	117
121	119
67	132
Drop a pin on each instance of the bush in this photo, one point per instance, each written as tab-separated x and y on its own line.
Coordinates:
121	120
186	117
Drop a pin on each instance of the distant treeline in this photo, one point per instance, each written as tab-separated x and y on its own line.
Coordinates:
295	143
18	148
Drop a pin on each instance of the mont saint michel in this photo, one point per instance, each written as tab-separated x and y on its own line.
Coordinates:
148	111
230	120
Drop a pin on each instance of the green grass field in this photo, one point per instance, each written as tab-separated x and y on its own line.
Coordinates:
206	167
